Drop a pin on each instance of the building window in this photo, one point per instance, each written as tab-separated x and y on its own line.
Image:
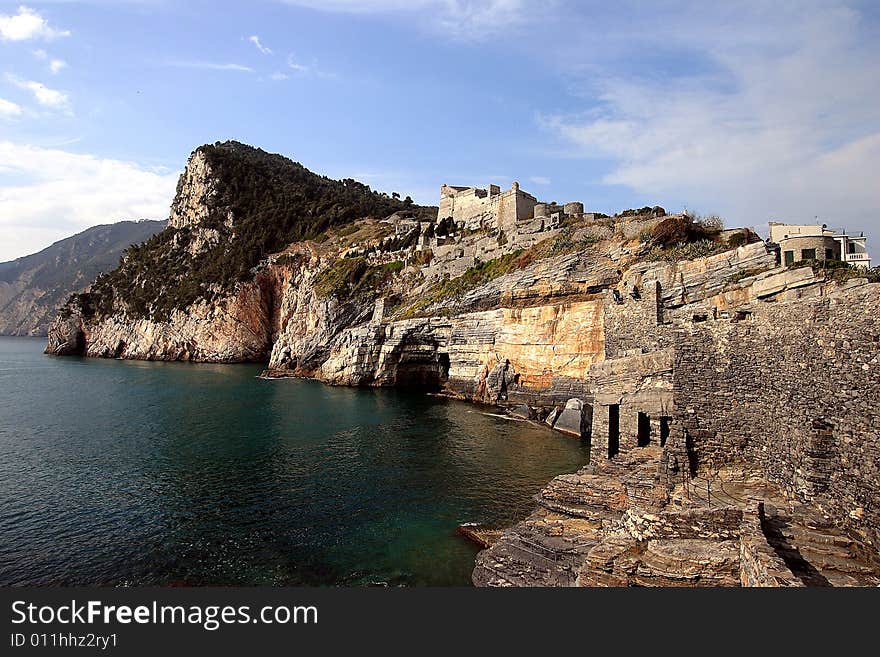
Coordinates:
851	247
789	257
829	254
808	254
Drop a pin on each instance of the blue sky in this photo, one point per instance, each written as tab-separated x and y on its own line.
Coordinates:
753	110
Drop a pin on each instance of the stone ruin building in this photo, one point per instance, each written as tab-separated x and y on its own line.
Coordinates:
476	225
729	401
512	211
734	436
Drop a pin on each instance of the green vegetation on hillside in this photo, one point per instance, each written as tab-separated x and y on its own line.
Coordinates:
839	271
350	276
567	241
272	201
473	277
33	287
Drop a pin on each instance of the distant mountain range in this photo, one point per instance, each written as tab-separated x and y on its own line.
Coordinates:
33	287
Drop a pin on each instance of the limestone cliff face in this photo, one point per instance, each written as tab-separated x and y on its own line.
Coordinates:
233	329
197	200
306	323
197	191
530	345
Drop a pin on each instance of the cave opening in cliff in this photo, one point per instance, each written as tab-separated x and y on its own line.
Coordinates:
664	430
443	361
613	430
644	430
423	373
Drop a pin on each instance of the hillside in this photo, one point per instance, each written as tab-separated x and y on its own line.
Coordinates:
235	205
727	399
34	287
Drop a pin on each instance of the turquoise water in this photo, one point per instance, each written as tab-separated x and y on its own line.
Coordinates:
134	473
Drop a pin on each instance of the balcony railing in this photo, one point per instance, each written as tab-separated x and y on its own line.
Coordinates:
857	256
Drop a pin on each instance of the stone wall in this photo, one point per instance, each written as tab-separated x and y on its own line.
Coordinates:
468	206
818	243
793	390
631	319
760	565
639	387
474	208
516	206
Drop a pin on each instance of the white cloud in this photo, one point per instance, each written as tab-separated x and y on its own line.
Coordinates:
44	95
254	39
27	24
782	126
211	66
312	70
55	65
9	109
540	180
457	19
61	193
279	76
296	66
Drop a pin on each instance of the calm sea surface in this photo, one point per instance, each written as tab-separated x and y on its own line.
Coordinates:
116	472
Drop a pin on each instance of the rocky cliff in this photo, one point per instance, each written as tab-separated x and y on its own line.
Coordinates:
34	287
644	333
212	286
263	260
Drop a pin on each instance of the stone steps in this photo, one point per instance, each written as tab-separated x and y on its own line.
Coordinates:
816	551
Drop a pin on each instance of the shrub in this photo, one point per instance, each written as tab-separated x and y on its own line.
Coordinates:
839	271
423	257
686	251
737	240
340	277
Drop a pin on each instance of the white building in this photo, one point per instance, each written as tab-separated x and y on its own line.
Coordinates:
853	249
818	242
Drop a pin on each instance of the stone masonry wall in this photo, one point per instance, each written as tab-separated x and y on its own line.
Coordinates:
793	390
637	383
631	321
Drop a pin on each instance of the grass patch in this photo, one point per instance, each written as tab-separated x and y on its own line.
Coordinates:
748	273
348	277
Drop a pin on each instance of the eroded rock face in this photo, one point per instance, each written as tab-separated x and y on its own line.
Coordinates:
406	353
66	336
618	523
307	324
197	191
198	199
483	356
234	329
575	418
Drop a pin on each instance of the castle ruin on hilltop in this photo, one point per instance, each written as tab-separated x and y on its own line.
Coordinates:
512	211
475	225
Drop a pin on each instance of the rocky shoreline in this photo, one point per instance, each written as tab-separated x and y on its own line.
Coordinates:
617	523
686	354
